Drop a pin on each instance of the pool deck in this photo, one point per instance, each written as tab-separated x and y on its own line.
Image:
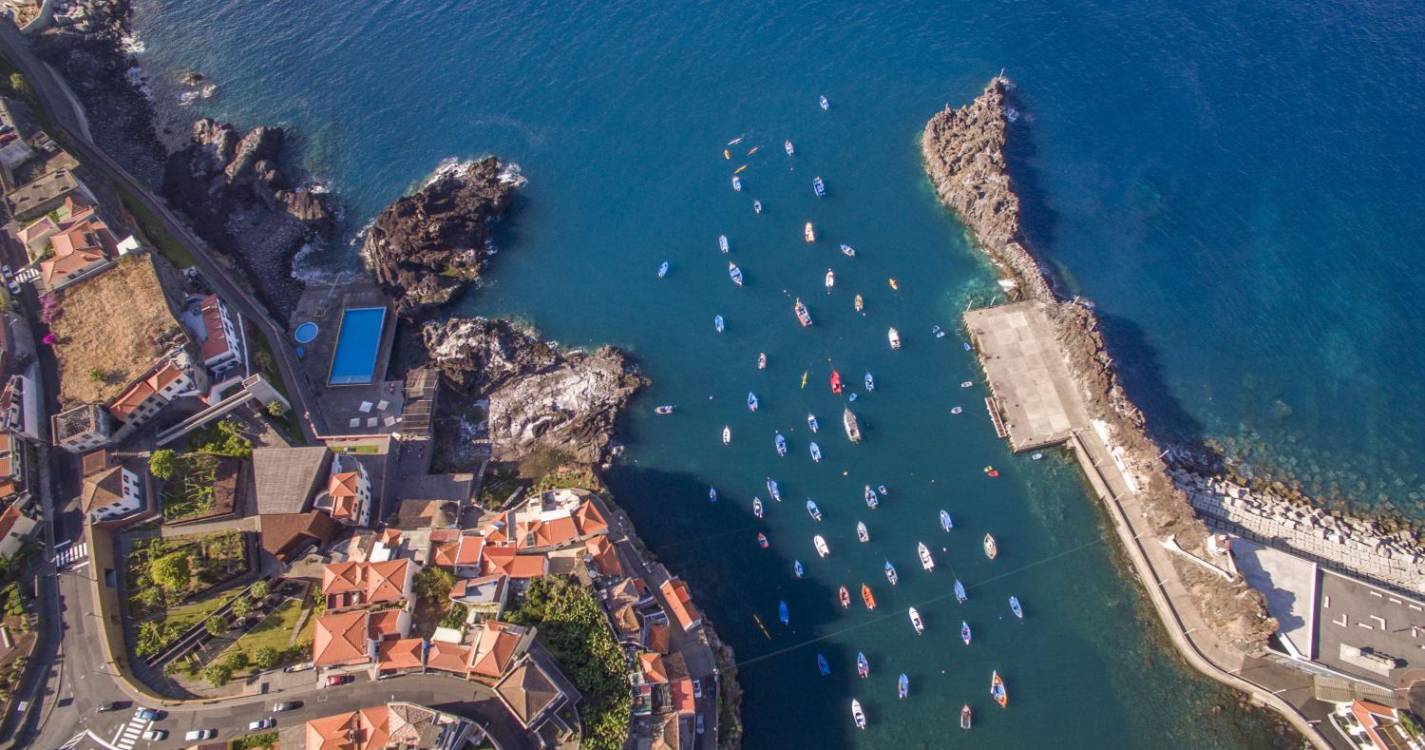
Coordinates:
340	404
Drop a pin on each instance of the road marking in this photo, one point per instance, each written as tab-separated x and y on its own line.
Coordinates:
99	741
129	733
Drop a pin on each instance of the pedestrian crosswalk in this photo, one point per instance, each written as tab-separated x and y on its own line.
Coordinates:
129	733
71	554
27	274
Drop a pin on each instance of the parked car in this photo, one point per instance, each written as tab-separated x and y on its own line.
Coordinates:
201	734
149	714
278	708
304	666
253	726
697	688
700	724
156	735
339	679
112	705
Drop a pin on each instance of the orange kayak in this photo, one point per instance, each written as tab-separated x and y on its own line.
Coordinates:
868	597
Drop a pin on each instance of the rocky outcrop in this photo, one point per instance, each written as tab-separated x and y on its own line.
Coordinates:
541	397
229	183
427	247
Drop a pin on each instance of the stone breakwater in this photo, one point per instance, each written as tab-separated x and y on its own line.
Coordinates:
964	153
1349	544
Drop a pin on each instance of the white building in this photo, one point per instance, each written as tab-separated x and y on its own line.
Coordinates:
348	495
111	494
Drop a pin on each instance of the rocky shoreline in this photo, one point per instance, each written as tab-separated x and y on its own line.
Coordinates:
964	153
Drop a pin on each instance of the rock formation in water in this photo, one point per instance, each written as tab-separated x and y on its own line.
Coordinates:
231	187
541	397
427	247
964	153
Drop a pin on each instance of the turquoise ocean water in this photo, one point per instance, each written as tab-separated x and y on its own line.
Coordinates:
1233	185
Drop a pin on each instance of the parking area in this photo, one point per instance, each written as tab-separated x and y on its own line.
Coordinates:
1367	631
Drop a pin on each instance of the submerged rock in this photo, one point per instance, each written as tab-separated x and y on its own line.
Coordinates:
425	248
541	397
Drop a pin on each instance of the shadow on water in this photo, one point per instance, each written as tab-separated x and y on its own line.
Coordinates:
714	548
1037	221
1141	371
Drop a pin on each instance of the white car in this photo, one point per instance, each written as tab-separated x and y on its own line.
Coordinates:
156	735
697	688
201	734
253	726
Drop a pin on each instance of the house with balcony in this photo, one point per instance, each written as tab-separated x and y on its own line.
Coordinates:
347	585
347	497
393	726
76	251
221	347
111	491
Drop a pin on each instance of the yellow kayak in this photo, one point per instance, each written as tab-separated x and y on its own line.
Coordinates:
740	169
804	378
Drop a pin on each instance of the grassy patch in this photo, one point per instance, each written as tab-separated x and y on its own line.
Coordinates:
265	361
573	627
189	492
275	633
211	559
153	231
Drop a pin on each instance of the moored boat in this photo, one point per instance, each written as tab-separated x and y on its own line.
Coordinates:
811	423
847	250
664	409
960	591
722	243
822	666
926	561
894	337
812	510
859	304
726	435
830	280
820	544
782	613
873	500
781	444
945	522
825	105
756	207
751	401
818	187
965	716
762	540
965	632
862	533
1015	608
757	507
809	233
915	620
991	549
835	382
798	569
863	667
774	490
787	146
762	360
881	488
734	273
712	494
895	285
803	316
815	451
845	597
902	686
663	269
718	323
997	690
853	428
857	715
737	183
891	573
753	150
870	382
867	597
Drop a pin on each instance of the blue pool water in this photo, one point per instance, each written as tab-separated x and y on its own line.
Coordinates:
305	333
357	344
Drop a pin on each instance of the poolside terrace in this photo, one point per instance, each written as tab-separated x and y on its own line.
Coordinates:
353	408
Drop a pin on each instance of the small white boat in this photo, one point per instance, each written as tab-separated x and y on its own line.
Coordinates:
722	243
857	715
862	533
811	423
809	233
873	500
852	427
991	549
734	273
830	280
815	452
945	522
774	490
894	337
757	507
781	444
762	360
663	269
712	494
803	315
965	634
926	561
813	511
737	183
916	622
751	401
818	187
1015	608
825	105
788	146
820	545
664	409
859	304
757	207
718	323
848	251
891	573
726	435
870	382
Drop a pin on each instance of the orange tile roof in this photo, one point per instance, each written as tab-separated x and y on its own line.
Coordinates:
37	228
605	557
365	729
340	638
651	665
499	529
366	582
449	657
683	700
341	577
388	581
589	519
8	519
165	376
399	654
344	508
507	561
553	532
131	399
388	624
681	603
443	554
469	550
494	650
216	342
343	484
657	638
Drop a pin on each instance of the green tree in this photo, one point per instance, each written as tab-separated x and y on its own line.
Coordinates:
150	639
259	590
150	597
217	674
215	626
266	658
455	617
162	463
172	571
242	606
434	584
19	85
236	660
275	409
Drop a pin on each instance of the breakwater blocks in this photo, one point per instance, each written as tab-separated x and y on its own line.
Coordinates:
1033	393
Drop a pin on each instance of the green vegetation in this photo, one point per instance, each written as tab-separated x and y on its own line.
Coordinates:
162	463
500	481
572	626
162	572
455	618
266	364
153	230
222	438
270	641
433	605
255	741
188	488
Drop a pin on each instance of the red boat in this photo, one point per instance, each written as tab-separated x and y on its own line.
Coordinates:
762	540
845	598
868	597
835	382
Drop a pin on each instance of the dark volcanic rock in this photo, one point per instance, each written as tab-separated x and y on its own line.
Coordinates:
425	248
230	185
541	397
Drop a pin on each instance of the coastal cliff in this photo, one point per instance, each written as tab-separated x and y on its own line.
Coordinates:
541	397
230	186
427	247
964	153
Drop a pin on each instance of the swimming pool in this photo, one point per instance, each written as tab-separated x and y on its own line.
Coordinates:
305	333
358	342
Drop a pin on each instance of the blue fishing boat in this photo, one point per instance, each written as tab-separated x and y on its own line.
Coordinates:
872	499
811	423
734	273
945	522
717	323
902	686
663	270
815	452
774	490
712	494
781	444
863	667
848	251
814	511
798	569
825	105
870	383
737	183
722	243
1015	608
818	187
782	613
891	573
960	591
751	401
881	488
965	632
822	666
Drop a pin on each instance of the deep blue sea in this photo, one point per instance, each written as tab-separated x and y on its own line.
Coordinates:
1234	184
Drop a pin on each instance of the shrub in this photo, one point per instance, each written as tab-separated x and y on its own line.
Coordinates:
172	571
162	463
217	675
215	626
434	584
242	606
266	657
275	409
455	617
237	660
259	590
